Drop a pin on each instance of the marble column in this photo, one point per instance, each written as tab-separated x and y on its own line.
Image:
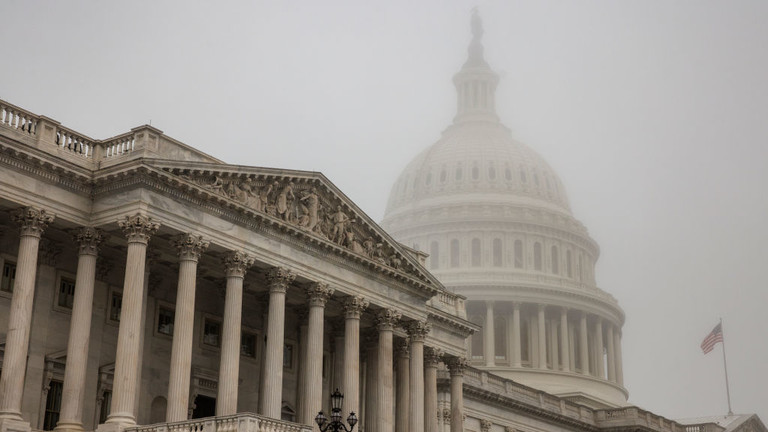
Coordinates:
32	222
318	294
599	348
565	350
619	365
403	402
583	344
353	309
278	280
516	339
385	322
489	341
456	366
73	392
611	355
417	333
542	335
236	264
432	358
189	248
137	229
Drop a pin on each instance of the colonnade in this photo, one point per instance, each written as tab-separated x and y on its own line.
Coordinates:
416	364
549	338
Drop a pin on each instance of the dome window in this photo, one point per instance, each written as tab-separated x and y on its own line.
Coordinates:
428	181
492	173
537	256
497	252
458	173
477	256
476	341
475	172
518	254
523	177
555	260
536	179
508	174
500	336
455	253
442	175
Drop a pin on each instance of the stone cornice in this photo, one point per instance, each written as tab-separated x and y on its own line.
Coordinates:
46	167
460	326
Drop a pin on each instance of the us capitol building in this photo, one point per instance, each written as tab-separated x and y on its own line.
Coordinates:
149	287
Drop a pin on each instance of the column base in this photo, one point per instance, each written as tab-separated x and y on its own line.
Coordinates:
13	425
69	427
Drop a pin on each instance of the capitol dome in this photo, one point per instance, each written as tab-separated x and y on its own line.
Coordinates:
495	220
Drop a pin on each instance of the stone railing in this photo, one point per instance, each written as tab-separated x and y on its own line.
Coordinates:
634	417
17	118
243	422
450	302
704	427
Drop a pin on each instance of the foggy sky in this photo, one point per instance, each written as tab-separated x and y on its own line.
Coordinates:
653	113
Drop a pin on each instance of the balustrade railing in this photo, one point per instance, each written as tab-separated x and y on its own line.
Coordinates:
17	118
119	145
243	422
70	140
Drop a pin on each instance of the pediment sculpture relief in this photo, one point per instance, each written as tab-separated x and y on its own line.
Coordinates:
301	204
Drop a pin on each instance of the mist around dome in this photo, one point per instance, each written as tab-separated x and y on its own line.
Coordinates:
497	225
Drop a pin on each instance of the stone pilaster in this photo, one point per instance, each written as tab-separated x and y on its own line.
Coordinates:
403	402
73	392
456	366
138	229
317	296
189	248
385	322
432	357
236	264
353	309
32	222
417	333
271	400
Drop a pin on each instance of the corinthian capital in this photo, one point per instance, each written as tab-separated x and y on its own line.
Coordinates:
33	221
138	228
190	246
418	330
236	263
354	306
402	348
88	240
318	294
485	425
432	356
387	318
457	365
279	278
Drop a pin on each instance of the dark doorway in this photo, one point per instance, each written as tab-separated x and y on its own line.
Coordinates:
204	407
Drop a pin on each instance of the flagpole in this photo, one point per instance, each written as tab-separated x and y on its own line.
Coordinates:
725	366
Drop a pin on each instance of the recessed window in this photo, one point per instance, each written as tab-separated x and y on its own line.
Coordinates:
555	260
475	172
458	173
288	356
53	405
248	344
518	254
212	332
443	175
497	252
537	256
492	173
476	253
508	174
115	305
523	177
428	181
476	342
66	293
165	317
454	253
8	277
500	338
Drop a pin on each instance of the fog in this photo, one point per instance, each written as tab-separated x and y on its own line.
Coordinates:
653	113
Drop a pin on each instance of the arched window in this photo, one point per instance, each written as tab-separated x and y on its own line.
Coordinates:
492	173
454	253
497	252
518	254
458	172
476	253
537	256
568	264
523	177
508	174
428	181
434	255
555	260
536	178
476	342
475	172
442	175
500	338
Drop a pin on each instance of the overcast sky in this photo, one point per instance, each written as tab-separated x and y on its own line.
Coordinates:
654	114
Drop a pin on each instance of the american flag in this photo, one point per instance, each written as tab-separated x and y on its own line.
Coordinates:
715	336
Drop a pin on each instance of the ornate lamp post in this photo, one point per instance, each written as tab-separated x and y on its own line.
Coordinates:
336	425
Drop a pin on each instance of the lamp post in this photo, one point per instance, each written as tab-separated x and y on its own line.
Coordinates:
336	425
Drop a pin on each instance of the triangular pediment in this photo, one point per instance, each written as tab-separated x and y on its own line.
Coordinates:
306	202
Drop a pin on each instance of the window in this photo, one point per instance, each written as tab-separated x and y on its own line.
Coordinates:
568	263
458	173
165	317
52	406
442	175
523	177
248	344
454	253
497	252
288	356
525	341
508	174
434	255
500	338
211	332
475	172
537	256
476	253
115	305
428	181
287	413
105	406
66	292
518	254
492	173
555	260
8	277
476	343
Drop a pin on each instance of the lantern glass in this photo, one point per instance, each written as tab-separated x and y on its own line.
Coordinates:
320	419
336	400
352	419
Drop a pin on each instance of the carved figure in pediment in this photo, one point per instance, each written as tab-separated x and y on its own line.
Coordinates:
248	194
217	184
368	247
340	221
265	195
353	243
378	253
310	201
395	261
284	200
